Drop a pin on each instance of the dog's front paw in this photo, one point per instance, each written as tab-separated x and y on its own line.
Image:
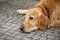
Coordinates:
51	25
20	11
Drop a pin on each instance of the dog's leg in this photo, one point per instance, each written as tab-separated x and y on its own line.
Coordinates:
54	21
20	11
57	23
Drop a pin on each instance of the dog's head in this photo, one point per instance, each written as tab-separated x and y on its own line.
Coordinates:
35	19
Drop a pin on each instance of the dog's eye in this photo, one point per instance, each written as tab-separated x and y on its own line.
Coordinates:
31	18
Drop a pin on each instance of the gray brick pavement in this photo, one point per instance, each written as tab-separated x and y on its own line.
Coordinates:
10	22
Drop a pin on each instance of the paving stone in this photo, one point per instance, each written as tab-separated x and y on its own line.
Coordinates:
0	34
1	23
13	25
1	39
9	27
57	38
39	33
21	34
4	36
10	38
50	39
43	38
14	33
55	34
2	31
26	38
29	35
15	39
36	37
8	24
50	31
47	32
18	36
44	35
11	31
15	28
7	33
5	30
50	36
4	26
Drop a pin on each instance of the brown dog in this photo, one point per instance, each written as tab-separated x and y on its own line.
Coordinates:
37	17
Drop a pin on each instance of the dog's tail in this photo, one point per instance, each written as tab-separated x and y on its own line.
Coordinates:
20	11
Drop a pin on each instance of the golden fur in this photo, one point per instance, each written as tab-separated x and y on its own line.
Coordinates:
37	17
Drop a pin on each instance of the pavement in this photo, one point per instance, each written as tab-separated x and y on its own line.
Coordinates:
10	22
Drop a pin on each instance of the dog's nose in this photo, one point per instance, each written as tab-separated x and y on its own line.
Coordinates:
22	28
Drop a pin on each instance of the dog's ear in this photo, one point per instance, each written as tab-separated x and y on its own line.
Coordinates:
43	12
42	27
42	9
43	22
